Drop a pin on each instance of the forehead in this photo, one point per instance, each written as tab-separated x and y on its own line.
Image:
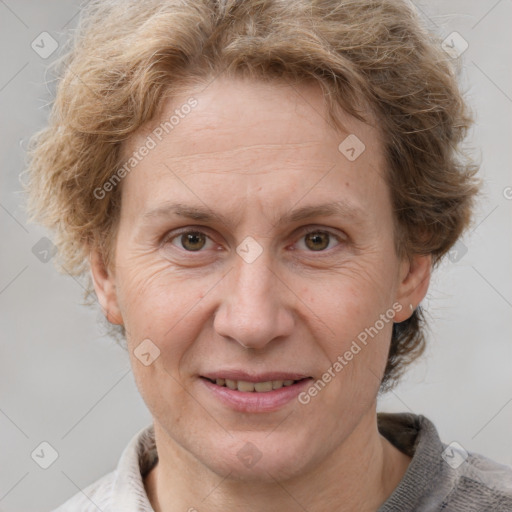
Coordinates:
260	107
252	135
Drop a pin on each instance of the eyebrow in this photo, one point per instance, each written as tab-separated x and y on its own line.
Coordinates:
203	214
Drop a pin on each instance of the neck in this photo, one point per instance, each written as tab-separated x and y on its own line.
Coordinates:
358	476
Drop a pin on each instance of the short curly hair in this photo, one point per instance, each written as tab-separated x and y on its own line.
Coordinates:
127	56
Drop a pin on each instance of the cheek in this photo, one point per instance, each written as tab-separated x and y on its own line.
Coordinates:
151	294
355	329
350	300
160	311
356	346
354	310
169	308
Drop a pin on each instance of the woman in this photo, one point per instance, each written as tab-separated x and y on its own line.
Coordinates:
261	190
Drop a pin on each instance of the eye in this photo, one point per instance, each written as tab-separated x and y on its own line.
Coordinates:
191	241
316	240
319	240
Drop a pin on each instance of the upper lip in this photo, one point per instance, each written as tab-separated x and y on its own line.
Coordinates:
252	377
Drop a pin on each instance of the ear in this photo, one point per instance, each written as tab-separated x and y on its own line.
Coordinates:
104	286
414	282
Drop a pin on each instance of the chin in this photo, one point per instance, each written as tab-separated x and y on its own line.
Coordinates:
252	458
264	471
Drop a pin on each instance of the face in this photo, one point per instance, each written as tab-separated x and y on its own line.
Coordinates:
251	248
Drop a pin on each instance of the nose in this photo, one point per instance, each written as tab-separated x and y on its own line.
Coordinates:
254	308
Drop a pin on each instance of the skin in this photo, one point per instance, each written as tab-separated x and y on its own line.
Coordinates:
254	152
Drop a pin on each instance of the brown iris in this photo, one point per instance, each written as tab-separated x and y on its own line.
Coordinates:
193	241
318	239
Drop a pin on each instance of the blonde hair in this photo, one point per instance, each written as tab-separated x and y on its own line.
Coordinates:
127	56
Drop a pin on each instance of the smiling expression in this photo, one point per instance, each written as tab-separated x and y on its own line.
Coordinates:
250	249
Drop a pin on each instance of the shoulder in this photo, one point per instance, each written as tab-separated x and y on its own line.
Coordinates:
481	484
443	476
96	496
122	489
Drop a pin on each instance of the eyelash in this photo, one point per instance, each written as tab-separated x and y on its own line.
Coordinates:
168	238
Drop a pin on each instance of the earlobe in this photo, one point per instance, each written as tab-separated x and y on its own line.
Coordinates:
415	280
104	286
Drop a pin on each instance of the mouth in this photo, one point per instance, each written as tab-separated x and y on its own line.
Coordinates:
254	387
247	393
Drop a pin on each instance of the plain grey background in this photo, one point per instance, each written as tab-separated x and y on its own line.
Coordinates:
63	382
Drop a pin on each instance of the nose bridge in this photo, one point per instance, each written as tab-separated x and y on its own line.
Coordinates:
252	311
252	278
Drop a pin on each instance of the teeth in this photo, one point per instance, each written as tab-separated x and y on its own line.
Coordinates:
259	387
245	386
262	386
231	384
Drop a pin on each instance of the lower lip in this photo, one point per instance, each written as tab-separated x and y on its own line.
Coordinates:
253	401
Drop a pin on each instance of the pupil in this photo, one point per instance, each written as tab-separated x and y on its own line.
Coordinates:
190	241
317	237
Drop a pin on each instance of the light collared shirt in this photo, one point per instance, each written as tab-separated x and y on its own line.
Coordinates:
440	477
